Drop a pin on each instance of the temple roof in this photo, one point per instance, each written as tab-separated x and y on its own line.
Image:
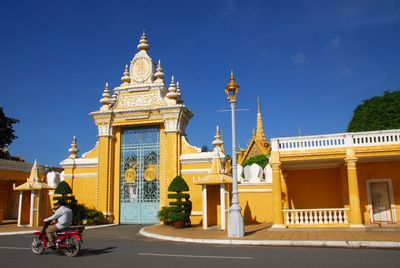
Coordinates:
258	143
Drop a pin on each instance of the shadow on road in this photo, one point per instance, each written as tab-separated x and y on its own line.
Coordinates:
97	251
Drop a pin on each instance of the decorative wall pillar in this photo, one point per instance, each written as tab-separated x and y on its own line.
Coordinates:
173	132
103	194
354	197
277	195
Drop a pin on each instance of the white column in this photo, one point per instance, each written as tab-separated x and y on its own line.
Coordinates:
38	209
204	206
222	198
32	206
20	207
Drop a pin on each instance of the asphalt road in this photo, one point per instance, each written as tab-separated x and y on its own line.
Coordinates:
122	246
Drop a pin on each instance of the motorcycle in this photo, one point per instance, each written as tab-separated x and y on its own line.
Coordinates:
68	240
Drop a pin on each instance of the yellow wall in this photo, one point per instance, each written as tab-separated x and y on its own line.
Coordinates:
378	170
314	188
84	190
256	206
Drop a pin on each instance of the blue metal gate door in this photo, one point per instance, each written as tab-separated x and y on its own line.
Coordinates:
139	182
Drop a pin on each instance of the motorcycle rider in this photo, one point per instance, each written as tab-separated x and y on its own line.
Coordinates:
63	215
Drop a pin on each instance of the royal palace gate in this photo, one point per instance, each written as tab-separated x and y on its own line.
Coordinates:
139	182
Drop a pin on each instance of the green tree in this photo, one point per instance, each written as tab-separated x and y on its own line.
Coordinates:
6	131
377	113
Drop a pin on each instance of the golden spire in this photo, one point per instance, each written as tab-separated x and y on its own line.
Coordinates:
260	135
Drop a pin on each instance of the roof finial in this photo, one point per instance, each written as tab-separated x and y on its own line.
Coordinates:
218	142
106	100
159	74
178	90
143	43
125	77
74	149
172	91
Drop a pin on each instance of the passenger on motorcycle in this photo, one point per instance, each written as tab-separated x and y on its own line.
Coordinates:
63	215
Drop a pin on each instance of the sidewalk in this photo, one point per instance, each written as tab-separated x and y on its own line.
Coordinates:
261	234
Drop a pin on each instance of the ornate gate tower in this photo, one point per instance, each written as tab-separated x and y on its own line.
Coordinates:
140	126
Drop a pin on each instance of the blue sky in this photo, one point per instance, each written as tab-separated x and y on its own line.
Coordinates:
310	62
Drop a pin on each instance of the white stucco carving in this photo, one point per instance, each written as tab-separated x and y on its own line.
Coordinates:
104	130
53	179
268	173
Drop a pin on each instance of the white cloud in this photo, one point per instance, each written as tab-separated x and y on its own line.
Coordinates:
334	43
299	58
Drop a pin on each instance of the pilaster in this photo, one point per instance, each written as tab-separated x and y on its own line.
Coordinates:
354	197
103	191
277	195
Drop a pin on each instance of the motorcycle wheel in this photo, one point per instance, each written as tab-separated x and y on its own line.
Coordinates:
37	246
74	246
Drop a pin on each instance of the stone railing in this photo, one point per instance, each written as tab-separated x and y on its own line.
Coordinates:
316	216
254	174
336	140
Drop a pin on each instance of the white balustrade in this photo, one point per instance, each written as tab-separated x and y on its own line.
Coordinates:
376	138
316	216
337	140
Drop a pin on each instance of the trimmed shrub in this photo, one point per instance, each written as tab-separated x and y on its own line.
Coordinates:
260	160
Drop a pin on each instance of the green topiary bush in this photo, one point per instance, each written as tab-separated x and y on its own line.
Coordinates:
181	208
260	160
178	184
63	188
64	191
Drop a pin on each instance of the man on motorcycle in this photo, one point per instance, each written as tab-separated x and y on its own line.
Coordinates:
63	215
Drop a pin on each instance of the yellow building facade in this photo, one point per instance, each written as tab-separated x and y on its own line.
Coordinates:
343	180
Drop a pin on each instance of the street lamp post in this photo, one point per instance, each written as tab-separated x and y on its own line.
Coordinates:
235	219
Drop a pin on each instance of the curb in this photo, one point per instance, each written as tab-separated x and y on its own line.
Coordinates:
291	243
32	231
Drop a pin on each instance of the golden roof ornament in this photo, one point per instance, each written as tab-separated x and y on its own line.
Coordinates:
74	149
125	77
178	90
106	100
218	142
172	92
159	74
114	96
143	43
